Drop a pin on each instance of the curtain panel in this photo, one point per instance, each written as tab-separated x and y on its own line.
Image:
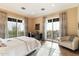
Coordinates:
63	22
44	28
26	25
2	24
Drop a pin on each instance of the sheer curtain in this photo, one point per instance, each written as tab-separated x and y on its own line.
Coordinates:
63	21
44	30
2	24
26	26
20	28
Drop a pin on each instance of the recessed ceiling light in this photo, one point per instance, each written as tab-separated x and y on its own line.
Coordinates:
23	8
42	9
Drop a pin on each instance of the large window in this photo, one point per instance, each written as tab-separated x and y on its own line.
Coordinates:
15	27
52	28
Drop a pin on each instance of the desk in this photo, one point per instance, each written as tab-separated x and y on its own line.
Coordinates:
35	35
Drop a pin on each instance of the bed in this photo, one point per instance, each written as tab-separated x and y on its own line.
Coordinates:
19	46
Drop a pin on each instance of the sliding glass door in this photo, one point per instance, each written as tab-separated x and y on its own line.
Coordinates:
56	29
12	28
52	29
15	27
49	30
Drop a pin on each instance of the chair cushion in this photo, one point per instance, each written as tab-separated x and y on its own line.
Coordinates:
66	44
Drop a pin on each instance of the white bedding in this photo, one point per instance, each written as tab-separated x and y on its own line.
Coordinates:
19	46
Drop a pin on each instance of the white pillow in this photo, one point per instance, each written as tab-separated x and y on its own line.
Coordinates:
3	41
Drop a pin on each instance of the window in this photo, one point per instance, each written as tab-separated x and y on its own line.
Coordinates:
52	28
15	27
20	28
56	24
12	28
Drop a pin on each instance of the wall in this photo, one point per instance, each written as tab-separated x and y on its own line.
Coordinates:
72	21
78	21
2	24
30	25
39	20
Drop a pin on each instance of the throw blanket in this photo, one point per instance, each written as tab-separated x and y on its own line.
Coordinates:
31	43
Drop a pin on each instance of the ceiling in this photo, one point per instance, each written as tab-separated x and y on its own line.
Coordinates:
34	9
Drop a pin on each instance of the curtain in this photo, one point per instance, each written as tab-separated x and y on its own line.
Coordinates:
2	24
26	25
20	28
63	22
44	28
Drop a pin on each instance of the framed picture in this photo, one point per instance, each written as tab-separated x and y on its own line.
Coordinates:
37	26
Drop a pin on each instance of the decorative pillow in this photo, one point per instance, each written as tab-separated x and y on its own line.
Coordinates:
2	45
71	38
2	42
